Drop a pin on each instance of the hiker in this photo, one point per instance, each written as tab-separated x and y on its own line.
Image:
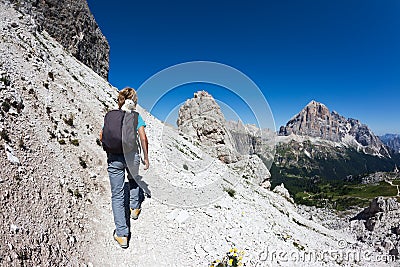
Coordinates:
126	121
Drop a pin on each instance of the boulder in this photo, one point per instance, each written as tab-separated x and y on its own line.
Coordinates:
281	190
380	204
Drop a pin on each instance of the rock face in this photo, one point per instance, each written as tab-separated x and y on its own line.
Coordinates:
50	116
315	120
201	118
252	168
392	141
378	225
247	138
73	26
251	140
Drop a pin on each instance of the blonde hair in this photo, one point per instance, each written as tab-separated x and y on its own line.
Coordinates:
127	93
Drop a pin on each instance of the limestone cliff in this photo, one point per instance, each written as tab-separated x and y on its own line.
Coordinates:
315	120
201	118
72	24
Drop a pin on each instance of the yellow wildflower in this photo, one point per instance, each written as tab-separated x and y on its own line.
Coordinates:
230	262
234	249
231	250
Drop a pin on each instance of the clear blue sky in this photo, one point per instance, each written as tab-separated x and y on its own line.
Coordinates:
343	53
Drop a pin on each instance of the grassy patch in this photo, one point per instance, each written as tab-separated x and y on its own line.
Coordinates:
6	80
371	190
396	182
183	148
231	192
82	162
298	245
98	142
75	142
61	142
5	106
70	120
4	135
344	203
77	194
344	195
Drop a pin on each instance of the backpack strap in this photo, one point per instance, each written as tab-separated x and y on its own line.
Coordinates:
122	117
135	119
135	124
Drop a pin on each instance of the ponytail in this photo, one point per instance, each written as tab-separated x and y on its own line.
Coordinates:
127	93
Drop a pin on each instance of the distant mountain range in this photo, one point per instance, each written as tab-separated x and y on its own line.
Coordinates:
315	144
392	141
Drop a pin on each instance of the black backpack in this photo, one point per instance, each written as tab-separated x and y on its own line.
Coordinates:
119	132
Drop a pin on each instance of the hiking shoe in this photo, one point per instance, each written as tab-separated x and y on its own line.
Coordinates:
135	213
122	240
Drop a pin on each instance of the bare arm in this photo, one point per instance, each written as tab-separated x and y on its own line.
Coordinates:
145	146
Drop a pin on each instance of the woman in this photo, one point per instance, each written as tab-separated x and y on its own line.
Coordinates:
117	165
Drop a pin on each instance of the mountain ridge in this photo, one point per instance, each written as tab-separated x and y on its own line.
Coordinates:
392	141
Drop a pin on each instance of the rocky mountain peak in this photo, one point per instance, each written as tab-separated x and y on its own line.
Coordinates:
315	120
317	109
315	104
202	118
